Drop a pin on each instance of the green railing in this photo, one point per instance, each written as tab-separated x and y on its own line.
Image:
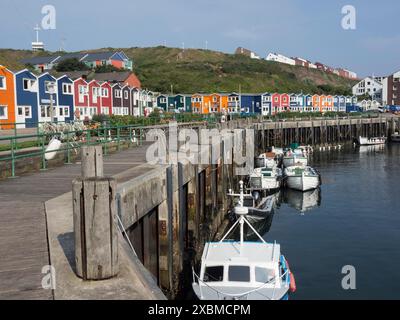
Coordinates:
72	142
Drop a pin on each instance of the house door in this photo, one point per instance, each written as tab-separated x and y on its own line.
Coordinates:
23	113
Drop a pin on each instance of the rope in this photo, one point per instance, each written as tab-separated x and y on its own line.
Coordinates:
126	235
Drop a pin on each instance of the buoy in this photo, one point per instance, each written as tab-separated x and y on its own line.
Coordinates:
292	286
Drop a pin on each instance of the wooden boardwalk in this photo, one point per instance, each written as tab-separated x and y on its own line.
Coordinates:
23	232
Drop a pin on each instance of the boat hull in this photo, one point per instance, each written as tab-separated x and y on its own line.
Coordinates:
303	183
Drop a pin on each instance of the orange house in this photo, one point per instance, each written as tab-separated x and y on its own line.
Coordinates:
316	103
7	98
197	103
224	103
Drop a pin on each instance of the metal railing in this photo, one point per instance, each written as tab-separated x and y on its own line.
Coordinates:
72	141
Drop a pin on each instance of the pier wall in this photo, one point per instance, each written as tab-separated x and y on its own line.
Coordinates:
173	209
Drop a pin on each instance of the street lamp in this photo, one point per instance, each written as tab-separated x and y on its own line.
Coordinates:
51	88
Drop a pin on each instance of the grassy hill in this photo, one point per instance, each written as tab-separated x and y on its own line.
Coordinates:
209	71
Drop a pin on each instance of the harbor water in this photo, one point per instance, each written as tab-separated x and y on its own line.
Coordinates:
353	220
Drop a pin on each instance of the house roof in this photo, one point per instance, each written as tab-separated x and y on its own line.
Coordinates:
112	76
40	60
101	56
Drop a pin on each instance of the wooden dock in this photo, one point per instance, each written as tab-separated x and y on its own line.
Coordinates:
23	232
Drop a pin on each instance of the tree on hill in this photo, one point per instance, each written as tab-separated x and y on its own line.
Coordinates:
107	69
72	64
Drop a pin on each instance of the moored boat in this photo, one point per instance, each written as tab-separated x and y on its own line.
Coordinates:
296	157
395	137
302	178
268	179
242	270
363	141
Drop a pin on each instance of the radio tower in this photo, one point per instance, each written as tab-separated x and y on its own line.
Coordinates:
38	45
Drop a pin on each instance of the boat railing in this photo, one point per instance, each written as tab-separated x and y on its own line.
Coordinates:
241	295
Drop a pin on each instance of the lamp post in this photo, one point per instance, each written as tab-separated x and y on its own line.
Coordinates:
51	89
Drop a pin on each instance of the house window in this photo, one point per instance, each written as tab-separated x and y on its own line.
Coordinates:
118	93
66	112
3	112
105	92
27	111
3	84
67	88
126	95
82	90
48	86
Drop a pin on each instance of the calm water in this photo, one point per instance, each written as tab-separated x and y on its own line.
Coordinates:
355	221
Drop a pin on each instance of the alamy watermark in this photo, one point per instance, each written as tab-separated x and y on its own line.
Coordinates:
202	147
349	20
349	280
49	280
49	20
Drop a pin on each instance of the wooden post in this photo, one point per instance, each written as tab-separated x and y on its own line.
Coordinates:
96	238
95	219
92	161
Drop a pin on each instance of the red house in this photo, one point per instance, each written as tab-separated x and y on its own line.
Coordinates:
106	98
81	99
276	103
285	102
94	96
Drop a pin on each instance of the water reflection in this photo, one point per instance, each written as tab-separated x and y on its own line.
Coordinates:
302	201
367	150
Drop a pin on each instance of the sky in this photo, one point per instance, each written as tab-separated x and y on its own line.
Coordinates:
310	29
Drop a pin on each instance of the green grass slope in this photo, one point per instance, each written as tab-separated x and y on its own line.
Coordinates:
196	70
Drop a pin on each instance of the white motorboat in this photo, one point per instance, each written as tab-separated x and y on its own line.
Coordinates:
242	270
362	141
302	178
295	157
266	179
395	137
268	160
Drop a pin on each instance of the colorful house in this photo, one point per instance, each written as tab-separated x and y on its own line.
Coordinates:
26	88
48	98
106	98
316	103
285	102
117	106
65	94
250	103
135	93
276	103
266	104
326	103
234	103
7	98
197	103
94	90
81	99
308	103
162	102
116	59
127	100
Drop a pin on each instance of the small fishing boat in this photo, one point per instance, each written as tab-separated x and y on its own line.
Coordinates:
295	157
268	160
362	141
242	270
302	178
268	179
395	137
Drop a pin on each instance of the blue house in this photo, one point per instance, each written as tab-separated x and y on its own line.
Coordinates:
250	103
308	103
65	94
162	102
47	96
339	104
26	87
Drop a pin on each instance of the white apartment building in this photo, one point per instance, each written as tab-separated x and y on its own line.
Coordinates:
280	58
369	86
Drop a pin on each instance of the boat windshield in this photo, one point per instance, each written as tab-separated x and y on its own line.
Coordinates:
239	273
264	275
214	274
